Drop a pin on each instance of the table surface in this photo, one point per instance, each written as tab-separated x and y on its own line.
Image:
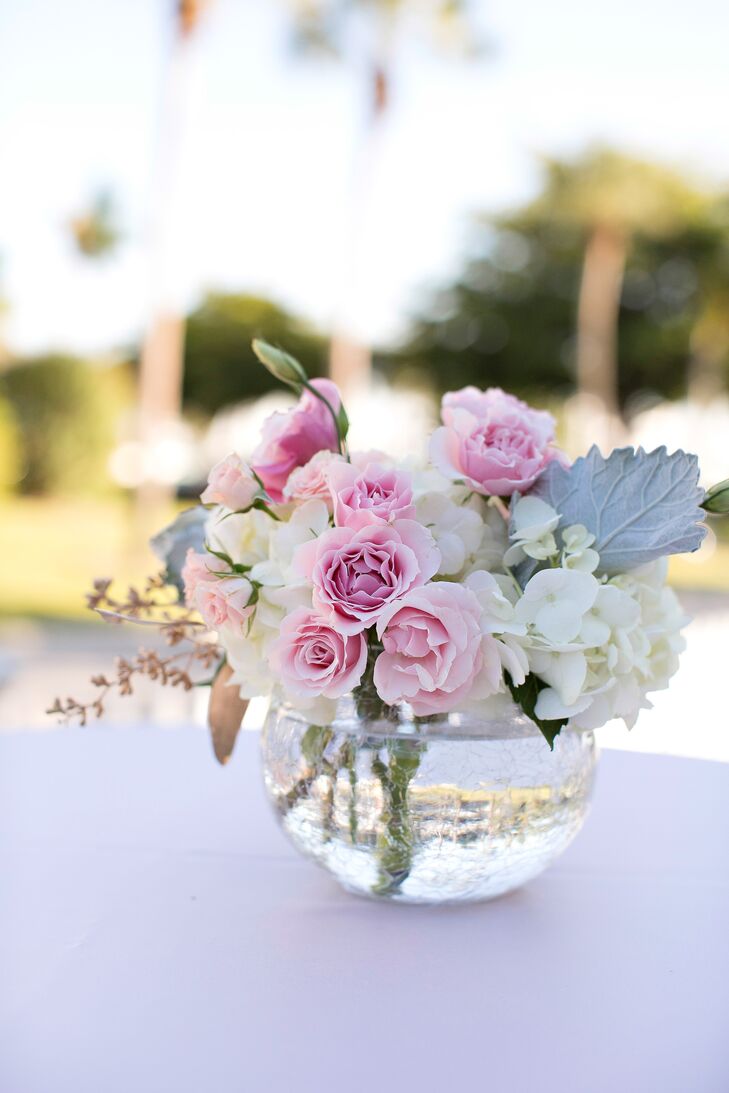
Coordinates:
157	933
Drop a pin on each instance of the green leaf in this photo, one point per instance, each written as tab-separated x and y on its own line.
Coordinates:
281	365
342	423
716	500
525	695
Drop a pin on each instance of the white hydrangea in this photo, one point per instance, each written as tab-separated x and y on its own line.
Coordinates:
576	549
457	530
533	523
631	639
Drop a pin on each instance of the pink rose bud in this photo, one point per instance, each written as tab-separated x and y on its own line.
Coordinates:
313	659
231	483
373	495
356	574
198	568
432	648
290	439
492	441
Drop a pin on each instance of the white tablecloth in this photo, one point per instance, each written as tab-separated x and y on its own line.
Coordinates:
158	934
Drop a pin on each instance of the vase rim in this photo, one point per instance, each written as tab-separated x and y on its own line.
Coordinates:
508	723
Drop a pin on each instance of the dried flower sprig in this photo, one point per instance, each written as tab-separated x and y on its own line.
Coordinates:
178	625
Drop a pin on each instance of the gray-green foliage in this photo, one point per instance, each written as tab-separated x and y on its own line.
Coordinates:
639	505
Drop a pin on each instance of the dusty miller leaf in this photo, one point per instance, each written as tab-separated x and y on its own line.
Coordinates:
173	542
639	505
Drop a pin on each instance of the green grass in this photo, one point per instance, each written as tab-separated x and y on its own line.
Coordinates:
52	550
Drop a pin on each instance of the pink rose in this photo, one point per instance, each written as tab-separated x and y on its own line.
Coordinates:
312	658
356	574
432	648
493	441
231	483
311	480
198	568
224	602
372	495
290	440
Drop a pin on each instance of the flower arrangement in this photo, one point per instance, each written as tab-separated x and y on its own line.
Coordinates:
494	571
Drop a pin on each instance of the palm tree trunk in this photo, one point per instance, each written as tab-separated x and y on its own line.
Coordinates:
161	363
597	317
350	361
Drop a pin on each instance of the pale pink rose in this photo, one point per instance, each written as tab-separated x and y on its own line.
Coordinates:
290	439
372	495
231	483
356	574
197	568
492	441
432	648
311	658
311	480
224	602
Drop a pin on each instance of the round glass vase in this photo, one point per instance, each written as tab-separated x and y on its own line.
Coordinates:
441	809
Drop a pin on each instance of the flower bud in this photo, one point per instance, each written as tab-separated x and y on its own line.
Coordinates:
281	365
717	499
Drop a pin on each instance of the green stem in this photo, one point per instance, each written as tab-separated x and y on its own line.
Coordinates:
395	845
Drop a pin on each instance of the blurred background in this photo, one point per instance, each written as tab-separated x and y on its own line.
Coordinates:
412	195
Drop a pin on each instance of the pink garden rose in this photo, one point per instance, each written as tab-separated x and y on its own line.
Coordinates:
356	574
312	658
371	495
231	483
492	441
432	648
290	439
311	480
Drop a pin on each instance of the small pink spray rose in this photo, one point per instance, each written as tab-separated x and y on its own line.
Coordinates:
232	484
373	494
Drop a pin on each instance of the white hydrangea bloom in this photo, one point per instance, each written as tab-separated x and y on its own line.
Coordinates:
555	602
494	539
633	634
576	549
533	523
457	530
243	536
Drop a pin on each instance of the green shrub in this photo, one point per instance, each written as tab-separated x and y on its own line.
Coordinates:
220	366
11	460
65	417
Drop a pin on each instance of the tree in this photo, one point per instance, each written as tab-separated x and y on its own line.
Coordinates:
509	318
220	368
609	198
94	230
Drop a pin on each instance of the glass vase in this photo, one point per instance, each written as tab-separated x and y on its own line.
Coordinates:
426	810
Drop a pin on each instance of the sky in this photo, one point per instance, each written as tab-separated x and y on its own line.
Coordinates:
270	164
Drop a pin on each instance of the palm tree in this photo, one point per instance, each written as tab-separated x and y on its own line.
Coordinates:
609	198
161	361
94	229
320	29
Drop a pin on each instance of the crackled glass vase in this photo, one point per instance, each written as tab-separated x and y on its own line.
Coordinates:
442	809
